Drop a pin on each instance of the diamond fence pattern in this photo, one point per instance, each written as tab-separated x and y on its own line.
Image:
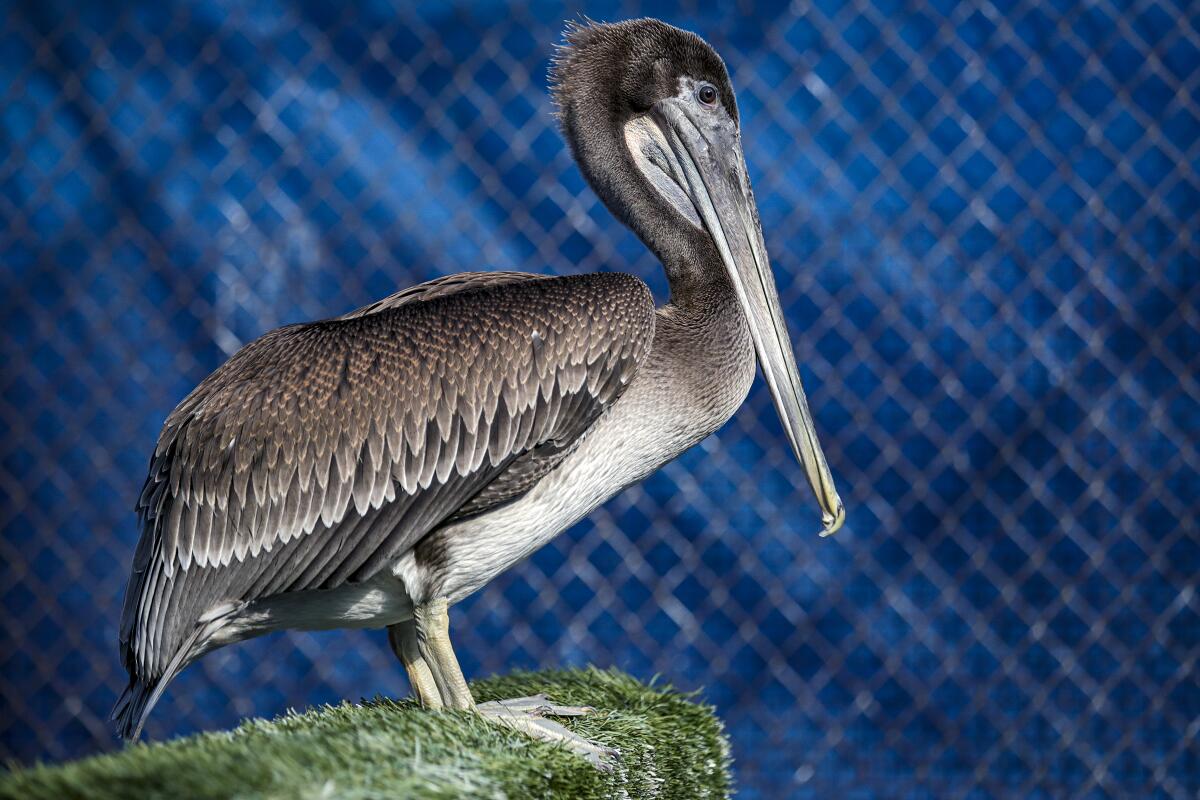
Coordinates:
983	220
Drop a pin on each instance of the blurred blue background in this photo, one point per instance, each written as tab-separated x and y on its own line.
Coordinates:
983	218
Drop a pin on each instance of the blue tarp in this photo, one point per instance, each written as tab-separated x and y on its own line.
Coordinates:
983	220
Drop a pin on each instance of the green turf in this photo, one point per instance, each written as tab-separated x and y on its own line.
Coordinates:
671	748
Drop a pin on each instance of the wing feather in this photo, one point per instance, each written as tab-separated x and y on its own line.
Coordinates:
320	452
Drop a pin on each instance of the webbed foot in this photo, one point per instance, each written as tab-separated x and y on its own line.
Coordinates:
528	715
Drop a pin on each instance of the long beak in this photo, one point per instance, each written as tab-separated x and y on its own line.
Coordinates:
707	155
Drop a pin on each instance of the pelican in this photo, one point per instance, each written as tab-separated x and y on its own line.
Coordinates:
373	469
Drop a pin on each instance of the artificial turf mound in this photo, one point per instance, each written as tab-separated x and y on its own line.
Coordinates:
670	747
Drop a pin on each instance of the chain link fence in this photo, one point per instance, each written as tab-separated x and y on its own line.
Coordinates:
983	218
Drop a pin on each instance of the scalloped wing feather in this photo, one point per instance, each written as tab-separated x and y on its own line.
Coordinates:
362	433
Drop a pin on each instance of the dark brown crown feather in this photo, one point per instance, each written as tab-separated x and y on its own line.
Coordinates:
628	65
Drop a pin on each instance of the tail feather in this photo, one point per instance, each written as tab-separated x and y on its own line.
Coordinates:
142	694
133	706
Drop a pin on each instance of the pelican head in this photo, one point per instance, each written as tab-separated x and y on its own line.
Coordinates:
650	116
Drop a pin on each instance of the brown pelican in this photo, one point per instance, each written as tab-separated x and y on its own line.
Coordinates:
373	469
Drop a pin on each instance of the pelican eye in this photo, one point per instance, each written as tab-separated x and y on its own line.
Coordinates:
707	94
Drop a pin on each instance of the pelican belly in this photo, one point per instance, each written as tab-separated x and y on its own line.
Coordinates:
697	375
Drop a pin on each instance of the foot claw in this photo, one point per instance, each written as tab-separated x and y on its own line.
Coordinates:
605	760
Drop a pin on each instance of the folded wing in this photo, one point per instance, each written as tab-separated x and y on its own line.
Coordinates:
320	452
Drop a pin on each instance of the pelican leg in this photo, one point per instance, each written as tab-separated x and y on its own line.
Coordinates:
403	638
432	621
525	714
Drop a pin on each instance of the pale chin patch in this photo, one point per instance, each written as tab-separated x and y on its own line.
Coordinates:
650	153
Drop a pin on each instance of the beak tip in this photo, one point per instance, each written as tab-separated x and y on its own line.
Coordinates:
834	523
